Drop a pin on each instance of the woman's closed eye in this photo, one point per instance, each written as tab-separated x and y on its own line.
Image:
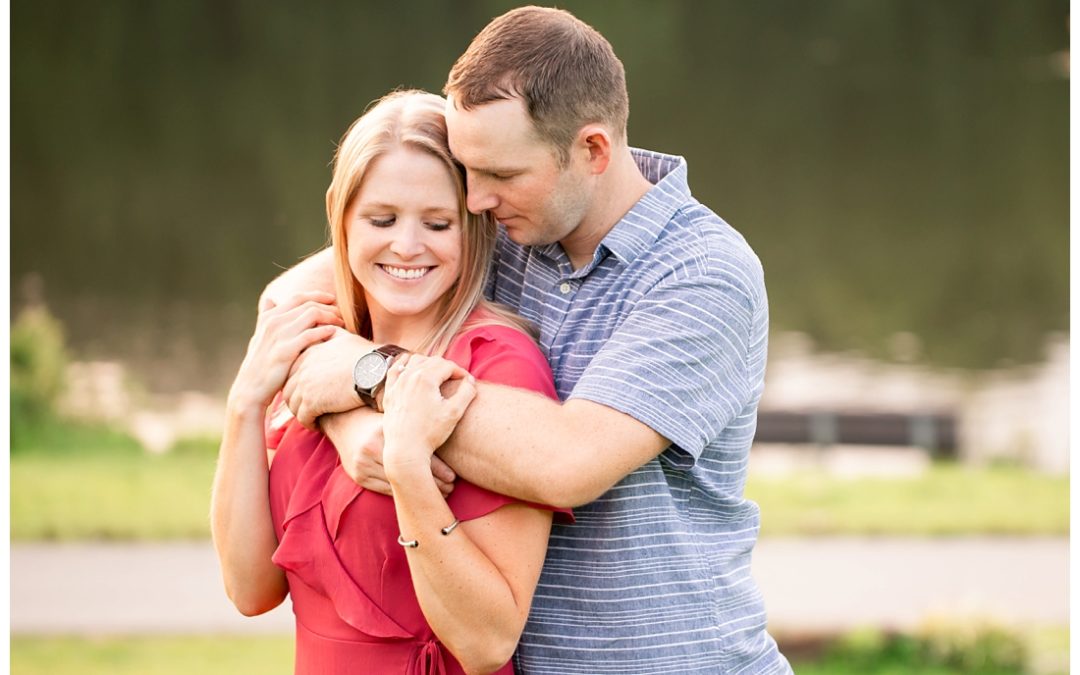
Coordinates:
388	221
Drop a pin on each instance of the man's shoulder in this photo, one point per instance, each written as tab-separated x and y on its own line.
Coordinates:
700	242
692	228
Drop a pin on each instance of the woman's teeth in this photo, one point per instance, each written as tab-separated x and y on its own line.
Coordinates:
406	273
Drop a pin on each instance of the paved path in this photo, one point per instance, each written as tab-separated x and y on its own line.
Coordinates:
810	585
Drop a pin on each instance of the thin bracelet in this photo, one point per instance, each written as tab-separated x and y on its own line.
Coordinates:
413	543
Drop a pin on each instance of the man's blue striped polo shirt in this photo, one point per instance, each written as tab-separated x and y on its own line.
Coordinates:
669	324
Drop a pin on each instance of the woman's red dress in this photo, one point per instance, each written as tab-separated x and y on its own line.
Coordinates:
356	610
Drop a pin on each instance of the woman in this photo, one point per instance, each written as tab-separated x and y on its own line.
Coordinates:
417	583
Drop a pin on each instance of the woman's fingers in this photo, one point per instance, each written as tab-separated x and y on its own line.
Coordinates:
306	316
282	332
416	381
285	325
397	367
311	336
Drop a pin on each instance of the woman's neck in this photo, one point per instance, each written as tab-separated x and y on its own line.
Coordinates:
408	332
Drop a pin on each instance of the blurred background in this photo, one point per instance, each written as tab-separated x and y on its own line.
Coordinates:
900	168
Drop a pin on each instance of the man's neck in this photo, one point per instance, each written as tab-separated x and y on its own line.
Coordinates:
621	187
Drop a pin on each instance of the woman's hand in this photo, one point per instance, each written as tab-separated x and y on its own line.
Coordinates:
417	417
282	333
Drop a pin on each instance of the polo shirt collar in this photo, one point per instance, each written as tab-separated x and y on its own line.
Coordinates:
642	224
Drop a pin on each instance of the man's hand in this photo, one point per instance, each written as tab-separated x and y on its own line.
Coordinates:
358	437
321	381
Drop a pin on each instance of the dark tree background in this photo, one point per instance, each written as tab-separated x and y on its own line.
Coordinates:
899	165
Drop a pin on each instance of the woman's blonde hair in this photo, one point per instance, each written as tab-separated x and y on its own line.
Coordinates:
415	120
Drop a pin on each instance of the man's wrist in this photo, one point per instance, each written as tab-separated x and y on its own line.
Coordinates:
370	371
329	424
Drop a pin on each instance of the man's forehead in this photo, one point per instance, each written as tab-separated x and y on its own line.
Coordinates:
489	122
495	137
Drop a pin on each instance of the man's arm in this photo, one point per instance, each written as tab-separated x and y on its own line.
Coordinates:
530	447
675	373
314	273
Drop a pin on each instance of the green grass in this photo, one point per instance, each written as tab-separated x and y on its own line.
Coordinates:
79	482
72	482
152	656
946	500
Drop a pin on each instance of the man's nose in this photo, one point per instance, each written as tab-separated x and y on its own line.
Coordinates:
478	199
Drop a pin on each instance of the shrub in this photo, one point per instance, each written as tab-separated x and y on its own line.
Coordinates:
961	647
973	647
38	365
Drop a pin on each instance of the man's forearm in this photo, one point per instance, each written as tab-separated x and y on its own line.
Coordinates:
314	273
527	446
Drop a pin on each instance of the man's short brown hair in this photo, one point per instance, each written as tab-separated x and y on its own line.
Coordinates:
565	72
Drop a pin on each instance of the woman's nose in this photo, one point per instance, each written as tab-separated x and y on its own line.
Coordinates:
408	241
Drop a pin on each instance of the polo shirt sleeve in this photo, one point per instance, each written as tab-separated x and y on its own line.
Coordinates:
678	362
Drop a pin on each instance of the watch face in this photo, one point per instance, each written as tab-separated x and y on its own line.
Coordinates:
369	371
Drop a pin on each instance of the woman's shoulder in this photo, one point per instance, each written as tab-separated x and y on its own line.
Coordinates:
485	330
469	501
497	352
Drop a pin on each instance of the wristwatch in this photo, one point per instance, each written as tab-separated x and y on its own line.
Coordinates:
369	373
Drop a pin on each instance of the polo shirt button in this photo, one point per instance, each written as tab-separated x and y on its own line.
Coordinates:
565	288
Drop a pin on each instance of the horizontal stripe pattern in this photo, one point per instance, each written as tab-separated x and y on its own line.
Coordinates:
669	324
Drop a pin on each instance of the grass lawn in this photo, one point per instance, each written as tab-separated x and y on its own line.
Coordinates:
947	500
152	656
78	482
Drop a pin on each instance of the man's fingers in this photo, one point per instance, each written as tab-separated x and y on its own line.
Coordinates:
306	416
444	487
377	485
288	392
442	471
460	399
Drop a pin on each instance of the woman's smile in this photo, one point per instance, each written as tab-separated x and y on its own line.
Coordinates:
405	273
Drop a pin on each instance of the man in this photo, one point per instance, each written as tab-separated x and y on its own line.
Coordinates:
653	314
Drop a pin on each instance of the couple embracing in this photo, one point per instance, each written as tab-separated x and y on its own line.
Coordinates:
511	286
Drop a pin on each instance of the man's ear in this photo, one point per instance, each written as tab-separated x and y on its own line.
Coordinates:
595	140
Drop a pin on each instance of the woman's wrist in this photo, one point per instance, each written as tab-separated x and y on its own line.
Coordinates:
402	467
243	404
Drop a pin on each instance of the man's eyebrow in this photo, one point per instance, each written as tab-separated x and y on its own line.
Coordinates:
494	170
